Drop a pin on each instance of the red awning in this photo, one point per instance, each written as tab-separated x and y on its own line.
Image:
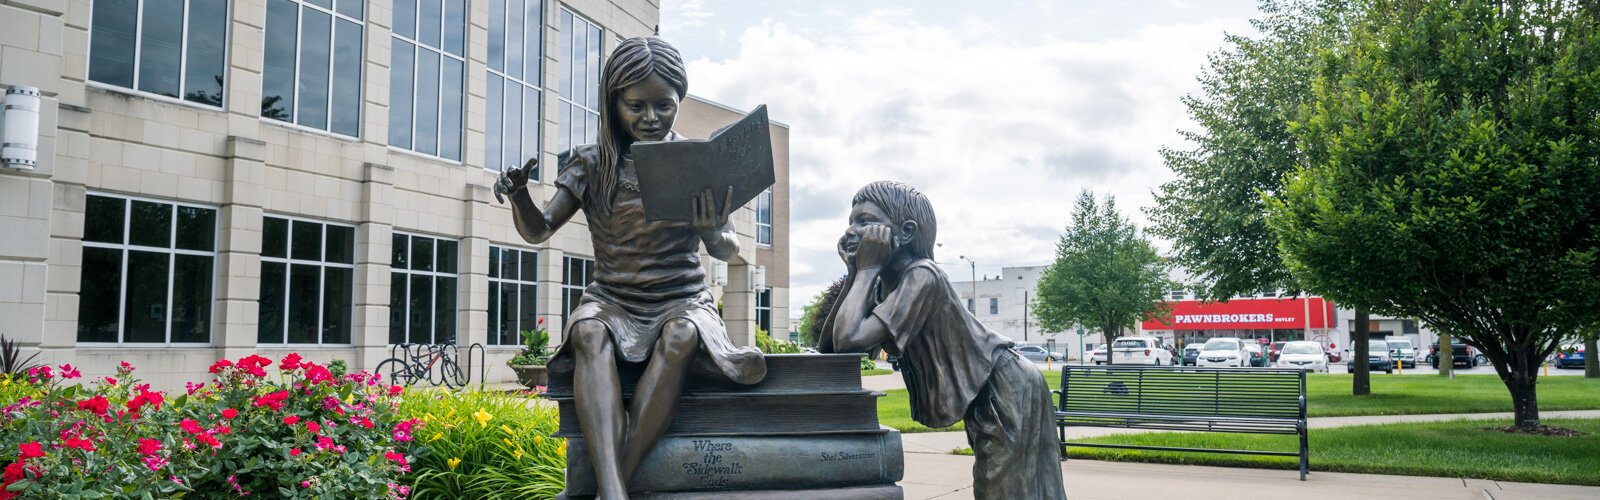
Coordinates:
1247	314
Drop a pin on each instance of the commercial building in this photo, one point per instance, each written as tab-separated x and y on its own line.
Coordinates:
264	176
1003	303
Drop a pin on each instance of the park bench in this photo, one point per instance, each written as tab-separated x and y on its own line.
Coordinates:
1160	398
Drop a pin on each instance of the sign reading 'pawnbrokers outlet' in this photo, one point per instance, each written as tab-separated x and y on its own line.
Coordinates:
1246	314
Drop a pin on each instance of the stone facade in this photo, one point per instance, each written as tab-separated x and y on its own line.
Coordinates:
104	139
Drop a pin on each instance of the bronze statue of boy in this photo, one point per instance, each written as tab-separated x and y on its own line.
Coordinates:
954	368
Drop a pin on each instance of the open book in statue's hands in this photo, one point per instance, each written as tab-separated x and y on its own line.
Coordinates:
671	173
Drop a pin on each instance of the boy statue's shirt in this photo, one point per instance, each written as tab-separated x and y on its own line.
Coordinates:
945	353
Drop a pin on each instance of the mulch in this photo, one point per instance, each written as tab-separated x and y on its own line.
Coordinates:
1542	430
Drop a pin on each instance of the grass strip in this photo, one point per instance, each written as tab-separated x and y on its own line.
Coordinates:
1461	448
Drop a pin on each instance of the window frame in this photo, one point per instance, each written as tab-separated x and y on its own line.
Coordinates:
466	94
994	305
333	36
289	262
764	306
433	298
587	265
764	198
172	252
564	65
519	281
183	61
538	87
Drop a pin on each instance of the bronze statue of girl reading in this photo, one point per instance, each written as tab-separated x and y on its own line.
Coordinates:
649	302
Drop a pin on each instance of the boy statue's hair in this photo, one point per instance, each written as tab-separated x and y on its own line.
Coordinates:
901	203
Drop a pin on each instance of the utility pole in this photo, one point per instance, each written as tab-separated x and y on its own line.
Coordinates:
1024	315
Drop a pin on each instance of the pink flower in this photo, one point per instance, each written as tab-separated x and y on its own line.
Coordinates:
398	459
291	420
190	426
110	381
313	427
216	368
207	439
69	372
294	452
395	390
273	400
79	443
317	373
154	463
229	413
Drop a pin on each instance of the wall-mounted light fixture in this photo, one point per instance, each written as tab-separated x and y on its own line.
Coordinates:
719	273
758	279
19	130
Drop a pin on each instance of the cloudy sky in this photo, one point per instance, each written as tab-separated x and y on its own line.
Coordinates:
1001	111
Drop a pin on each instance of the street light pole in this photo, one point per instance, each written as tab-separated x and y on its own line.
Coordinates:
974	266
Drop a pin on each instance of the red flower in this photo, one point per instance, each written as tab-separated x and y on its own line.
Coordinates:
216	368
272	400
395	390
190	426
111	381
79	443
289	362
291	420
207	439
313	427
294	452
68	371
146	397
229	413
149	446
253	363
317	373
97	404
30	450
365	423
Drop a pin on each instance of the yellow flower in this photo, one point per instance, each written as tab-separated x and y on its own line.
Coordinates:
350	399
508	442
563	449
452	413
427	417
507	430
482	417
436	437
538	440
517	454
453	463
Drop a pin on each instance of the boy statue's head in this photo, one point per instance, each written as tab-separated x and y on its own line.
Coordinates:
909	212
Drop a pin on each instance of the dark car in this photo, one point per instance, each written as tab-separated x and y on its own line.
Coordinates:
1275	349
1570	356
1191	352
1464	355
1379	358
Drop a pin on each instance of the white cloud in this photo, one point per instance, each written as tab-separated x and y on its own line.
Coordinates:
1001	131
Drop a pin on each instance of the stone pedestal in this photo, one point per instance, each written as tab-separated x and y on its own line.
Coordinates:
809	430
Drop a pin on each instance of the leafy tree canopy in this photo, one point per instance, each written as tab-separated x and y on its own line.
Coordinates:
1106	275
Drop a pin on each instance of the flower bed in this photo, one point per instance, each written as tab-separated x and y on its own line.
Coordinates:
485	445
300	432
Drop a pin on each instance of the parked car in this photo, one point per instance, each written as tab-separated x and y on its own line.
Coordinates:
1191	354
1570	356
1039	354
1333	355
1258	355
1275	349
1141	351
1379	357
1303	354
1098	355
1406	354
1464	355
1223	351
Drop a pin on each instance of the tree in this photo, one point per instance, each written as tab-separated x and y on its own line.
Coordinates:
1452	156
1105	273
1214	212
816	311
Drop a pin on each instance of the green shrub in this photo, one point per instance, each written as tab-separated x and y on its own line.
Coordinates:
769	345
485	445
868	364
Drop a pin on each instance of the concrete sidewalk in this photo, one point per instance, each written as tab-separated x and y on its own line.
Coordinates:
949	477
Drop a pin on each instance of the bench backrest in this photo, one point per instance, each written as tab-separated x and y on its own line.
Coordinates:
1159	390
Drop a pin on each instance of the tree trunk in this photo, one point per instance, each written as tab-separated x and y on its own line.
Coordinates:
1361	381
1525	398
1447	355
1111	331
1591	358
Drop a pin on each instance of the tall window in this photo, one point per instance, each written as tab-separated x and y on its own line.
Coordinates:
172	48
307	282
994	305
578	67
1178	294
764	310
970	309
764	217
426	77
147	271
576	274
313	64
513	294
422	290
516	40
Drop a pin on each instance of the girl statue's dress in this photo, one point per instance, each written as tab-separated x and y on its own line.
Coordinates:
646	273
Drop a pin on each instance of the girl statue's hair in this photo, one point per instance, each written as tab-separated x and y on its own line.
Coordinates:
901	203
634	61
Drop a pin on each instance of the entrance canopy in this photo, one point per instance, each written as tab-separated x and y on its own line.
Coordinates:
1247	314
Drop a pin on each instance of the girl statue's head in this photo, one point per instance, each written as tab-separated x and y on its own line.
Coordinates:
643	83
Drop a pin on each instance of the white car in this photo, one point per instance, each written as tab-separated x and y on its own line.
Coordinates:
1305	355
1098	355
1406	354
1223	351
1140	351
1038	354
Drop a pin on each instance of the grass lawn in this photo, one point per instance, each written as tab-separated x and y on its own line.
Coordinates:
1329	396
876	371
1440	449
